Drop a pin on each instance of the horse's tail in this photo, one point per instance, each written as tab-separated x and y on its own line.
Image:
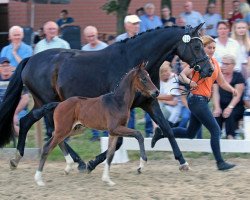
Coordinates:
9	104
40	112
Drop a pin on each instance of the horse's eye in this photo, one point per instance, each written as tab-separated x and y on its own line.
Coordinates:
144	80
197	47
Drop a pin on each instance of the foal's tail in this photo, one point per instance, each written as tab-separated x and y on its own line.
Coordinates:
40	112
9	104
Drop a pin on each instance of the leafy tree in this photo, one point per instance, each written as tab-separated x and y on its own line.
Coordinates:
120	8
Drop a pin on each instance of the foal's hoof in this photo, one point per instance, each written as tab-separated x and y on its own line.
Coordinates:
184	167
82	167
90	166
13	164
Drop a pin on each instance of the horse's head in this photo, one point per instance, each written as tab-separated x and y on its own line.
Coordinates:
143	82
190	50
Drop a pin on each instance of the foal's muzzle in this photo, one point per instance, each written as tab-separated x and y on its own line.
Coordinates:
155	93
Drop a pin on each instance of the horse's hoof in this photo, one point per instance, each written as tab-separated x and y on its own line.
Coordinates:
13	164
108	181
139	170
184	167
90	167
40	183
82	167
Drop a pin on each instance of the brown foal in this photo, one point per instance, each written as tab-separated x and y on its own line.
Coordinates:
107	112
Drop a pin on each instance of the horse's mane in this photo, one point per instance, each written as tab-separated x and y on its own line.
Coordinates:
147	31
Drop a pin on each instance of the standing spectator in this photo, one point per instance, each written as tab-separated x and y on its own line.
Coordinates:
211	19
91	35
192	17
198	100
51	39
241	35
64	19
235	14
17	49
226	45
94	44
229	108
169	95
149	20
140	11
167	19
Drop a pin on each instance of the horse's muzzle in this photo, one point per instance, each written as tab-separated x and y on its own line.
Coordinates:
155	93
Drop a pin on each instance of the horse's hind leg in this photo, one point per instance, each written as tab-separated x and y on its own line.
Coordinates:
25	123
101	157
110	155
67	157
47	148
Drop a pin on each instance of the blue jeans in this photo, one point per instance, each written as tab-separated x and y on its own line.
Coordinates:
201	114
148	123
185	116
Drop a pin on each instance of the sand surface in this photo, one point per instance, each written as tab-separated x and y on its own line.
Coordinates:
159	180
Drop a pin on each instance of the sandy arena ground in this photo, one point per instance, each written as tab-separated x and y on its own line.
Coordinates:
159	180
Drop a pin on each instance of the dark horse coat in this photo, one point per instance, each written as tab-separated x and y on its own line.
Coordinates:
57	74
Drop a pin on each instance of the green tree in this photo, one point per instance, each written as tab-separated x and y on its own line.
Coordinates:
120	9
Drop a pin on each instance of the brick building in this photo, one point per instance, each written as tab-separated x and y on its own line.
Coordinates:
85	12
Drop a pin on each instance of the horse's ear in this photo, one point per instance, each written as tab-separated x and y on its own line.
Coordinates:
197	28
143	65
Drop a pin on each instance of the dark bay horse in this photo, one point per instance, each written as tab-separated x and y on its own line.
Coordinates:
57	74
106	112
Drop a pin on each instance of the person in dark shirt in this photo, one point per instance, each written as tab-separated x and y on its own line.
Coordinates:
166	19
64	19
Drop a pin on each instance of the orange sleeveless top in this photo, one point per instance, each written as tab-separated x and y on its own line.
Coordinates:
205	85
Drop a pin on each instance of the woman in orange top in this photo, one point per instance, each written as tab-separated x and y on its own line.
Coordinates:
201	92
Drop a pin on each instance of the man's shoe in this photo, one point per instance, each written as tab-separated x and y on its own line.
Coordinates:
158	135
225	166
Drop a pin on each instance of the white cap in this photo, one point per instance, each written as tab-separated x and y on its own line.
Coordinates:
132	19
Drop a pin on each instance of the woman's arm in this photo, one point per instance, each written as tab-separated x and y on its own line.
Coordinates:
216	101
184	77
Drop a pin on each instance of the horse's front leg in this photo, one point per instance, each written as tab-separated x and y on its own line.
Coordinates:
110	155
153	108
125	131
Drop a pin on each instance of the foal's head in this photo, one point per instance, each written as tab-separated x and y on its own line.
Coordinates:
143	82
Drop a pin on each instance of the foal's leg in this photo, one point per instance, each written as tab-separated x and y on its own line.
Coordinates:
47	148
25	123
125	131
67	157
110	155
101	157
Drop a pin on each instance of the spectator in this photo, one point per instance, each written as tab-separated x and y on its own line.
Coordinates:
140	11
110	39
245	11
211	19
246	97
64	19
167	19
91	35
39	36
226	45
149	20
169	95
6	71
132	27
51	39
241	35
235	14
192	17
180	21
94	44
198	99
17	49
229	108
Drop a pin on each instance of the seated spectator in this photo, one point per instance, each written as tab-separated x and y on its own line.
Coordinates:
39	36
64	19
169	95
6	71
235	14
149	20
91	36
229	109
167	19
246	97
211	19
